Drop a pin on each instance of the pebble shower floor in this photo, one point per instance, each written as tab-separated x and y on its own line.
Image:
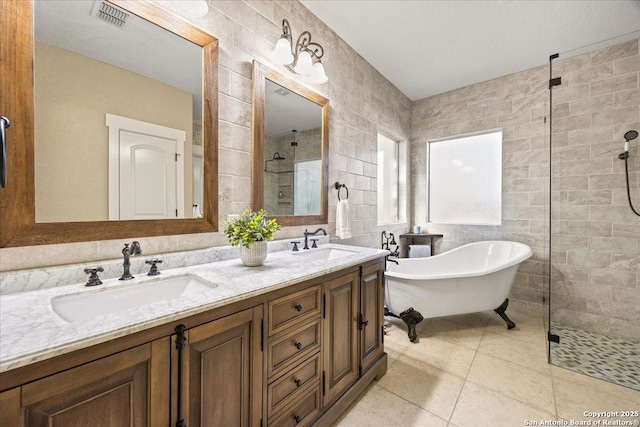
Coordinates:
611	359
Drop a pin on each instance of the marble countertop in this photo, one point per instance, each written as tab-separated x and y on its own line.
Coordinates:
30	331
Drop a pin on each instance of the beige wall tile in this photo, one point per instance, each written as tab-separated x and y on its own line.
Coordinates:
611	53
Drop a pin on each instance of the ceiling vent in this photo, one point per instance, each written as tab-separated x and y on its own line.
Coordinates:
282	91
110	14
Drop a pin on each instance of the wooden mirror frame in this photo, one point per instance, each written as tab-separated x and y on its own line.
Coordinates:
17	199
261	73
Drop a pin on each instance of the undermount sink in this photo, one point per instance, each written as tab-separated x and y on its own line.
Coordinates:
85	306
325	254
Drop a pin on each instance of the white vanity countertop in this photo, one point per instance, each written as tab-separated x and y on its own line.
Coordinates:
30	331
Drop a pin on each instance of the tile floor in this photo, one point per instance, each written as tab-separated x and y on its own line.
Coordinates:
471	371
590	353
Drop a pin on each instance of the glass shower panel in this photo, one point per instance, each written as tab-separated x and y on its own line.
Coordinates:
594	286
307	188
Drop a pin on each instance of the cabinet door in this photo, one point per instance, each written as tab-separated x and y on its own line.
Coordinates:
372	308
340	334
222	372
130	388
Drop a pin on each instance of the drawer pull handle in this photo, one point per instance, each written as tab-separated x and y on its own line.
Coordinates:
298	345
297	418
298	382
298	307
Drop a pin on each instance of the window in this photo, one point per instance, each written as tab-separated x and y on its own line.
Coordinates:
388	180
464	176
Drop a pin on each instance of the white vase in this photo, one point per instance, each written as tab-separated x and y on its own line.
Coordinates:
254	255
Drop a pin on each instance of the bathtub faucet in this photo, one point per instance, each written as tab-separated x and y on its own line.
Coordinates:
385	241
312	233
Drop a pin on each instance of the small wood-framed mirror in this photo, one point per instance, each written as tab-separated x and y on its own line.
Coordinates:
290	149
23	196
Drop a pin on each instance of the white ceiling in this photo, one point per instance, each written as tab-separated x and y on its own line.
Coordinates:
430	47
285	110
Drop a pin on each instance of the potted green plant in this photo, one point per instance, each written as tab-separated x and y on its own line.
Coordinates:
250	232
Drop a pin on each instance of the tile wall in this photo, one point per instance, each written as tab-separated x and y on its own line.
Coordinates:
361	99
596	240
596	237
517	103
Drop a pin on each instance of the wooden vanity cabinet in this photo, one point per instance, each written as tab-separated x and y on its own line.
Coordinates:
340	323
294	356
129	388
371	324
353	328
221	375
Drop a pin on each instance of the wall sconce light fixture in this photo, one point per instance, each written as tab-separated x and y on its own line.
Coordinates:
303	58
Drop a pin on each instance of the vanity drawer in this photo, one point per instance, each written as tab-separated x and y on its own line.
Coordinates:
293	346
293	309
301	413
291	385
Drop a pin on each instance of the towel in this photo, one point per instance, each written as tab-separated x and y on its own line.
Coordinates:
419	251
343	227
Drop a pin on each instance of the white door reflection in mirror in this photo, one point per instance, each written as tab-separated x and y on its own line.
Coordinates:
146	170
198	180
85	68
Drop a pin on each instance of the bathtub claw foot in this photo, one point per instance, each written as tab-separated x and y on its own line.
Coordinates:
501	312
411	318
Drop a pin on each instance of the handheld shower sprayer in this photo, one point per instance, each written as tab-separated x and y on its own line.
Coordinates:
629	136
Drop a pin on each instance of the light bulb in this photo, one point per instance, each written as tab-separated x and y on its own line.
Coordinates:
304	67
282	52
318	75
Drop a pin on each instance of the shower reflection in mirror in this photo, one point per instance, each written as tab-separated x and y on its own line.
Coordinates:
292	152
292	179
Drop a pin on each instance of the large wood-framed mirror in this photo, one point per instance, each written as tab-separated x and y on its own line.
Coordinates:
290	149
48	201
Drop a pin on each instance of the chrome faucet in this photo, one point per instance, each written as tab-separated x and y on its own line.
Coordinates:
127	252
308	233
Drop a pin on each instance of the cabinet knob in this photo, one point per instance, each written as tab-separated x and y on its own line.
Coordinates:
298	307
298	345
298	382
297	419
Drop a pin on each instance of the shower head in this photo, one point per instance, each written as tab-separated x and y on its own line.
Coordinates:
631	135
276	156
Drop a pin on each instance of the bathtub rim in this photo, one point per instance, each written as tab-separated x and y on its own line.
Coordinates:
476	273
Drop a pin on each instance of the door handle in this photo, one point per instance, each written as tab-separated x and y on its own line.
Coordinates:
4	124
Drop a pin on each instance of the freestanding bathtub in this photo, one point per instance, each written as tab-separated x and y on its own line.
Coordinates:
472	278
